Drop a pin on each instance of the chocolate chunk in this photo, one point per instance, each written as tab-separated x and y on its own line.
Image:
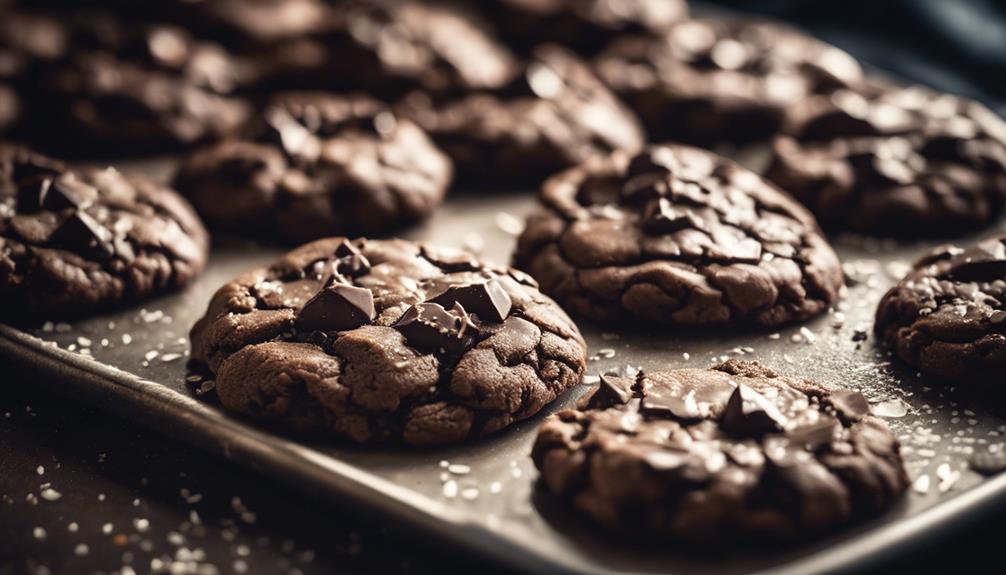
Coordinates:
353	265
431	327
450	259
31	194
63	193
83	234
814	435
611	390
978	271
750	413
487	300
851	405
337	307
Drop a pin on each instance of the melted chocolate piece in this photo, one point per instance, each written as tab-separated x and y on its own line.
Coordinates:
487	300
337	307
63	193
431	327
750	413
814	435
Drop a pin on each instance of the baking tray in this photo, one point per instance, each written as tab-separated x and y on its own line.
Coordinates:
481	495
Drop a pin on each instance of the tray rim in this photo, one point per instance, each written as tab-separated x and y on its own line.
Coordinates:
184	418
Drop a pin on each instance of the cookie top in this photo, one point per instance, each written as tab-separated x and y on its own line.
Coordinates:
250	23
947	317
26	40
387	340
73	241
713	456
584	25
132	88
903	162
321	164
711	81
387	48
677	235
554	115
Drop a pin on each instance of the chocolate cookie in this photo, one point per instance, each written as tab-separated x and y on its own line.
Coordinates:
9	107
714	456
904	162
677	235
138	88
387	48
322	165
553	116
584	25
712	81
947	317
76	241
388	340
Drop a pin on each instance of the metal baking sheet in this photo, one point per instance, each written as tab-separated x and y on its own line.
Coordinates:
481	495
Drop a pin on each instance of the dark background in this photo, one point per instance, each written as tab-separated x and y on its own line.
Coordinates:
203	515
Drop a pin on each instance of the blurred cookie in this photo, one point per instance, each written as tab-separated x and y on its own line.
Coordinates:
129	88
583	25
947	317
712	81
902	162
556	114
677	235
76	241
721	455
322	165
387	341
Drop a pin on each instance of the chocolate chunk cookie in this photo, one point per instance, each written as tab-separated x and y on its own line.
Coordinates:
584	25
76	241
322	165
712	81
130	88
947	317
387	48
389	340
27	42
553	116
677	235
904	162
717	455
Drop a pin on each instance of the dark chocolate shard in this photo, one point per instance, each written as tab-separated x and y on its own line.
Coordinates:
450	259
430	327
346	248
850	405
978	271
749	413
487	300
337	307
611	391
815	435
31	194
63	193
354	265
83	234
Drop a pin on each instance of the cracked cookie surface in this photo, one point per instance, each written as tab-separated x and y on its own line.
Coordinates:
321	165
904	162
712	81
554	115
73	241
947	317
387	340
677	235
736	452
